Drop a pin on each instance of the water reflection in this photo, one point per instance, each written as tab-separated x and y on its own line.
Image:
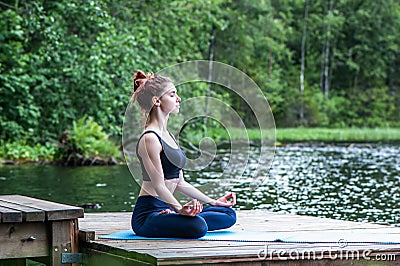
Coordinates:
352	182
357	182
101	188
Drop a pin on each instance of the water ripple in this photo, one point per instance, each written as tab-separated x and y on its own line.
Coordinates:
358	182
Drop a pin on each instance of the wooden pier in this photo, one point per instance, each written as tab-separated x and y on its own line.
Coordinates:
200	252
37	229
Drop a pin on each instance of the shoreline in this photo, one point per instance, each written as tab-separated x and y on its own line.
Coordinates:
282	136
338	135
313	135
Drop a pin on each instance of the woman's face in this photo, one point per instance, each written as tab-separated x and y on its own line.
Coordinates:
169	100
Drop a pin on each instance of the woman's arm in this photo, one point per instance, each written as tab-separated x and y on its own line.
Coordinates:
189	190
227	201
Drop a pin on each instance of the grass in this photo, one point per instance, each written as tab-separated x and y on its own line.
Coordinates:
320	134
338	134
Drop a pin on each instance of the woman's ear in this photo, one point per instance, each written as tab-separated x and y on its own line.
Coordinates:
155	100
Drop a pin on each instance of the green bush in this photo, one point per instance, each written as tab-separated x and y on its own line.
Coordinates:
19	151
86	144
89	139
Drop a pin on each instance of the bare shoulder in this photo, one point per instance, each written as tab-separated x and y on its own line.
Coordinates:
149	144
151	139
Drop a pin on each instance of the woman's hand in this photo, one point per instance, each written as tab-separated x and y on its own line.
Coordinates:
191	208
226	201
166	211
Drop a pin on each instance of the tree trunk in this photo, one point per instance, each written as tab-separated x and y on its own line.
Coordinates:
332	60
270	65
303	44
321	73
326	69
327	49
209	78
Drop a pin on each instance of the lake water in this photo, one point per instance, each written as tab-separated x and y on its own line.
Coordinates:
358	182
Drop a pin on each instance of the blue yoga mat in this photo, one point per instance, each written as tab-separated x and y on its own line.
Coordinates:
334	236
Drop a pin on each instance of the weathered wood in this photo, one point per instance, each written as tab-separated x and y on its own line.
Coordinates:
231	246
212	256
29	214
10	216
259	221
37	229
74	236
54	211
86	235
166	252
23	240
64	239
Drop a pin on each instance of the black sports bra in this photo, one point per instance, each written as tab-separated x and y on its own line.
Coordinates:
172	159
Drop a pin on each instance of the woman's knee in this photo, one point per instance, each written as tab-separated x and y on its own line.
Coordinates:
230	212
231	216
197	227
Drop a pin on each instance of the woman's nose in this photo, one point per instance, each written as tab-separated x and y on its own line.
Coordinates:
178	99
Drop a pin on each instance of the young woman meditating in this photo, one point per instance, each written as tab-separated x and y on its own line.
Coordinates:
157	212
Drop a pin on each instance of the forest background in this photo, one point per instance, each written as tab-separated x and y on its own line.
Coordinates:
325	63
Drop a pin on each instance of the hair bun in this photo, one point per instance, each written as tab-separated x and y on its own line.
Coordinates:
140	78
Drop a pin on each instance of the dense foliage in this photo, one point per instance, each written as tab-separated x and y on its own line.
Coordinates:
86	143
61	60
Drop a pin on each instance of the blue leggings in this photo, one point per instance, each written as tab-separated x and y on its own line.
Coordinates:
146	220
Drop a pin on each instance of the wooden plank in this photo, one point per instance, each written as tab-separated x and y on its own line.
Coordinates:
64	239
86	235
215	252
242	253
54	211
215	256
182	245
105	223
252	252
122	221
289	223
233	247
10	216
22	240
29	214
74	236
